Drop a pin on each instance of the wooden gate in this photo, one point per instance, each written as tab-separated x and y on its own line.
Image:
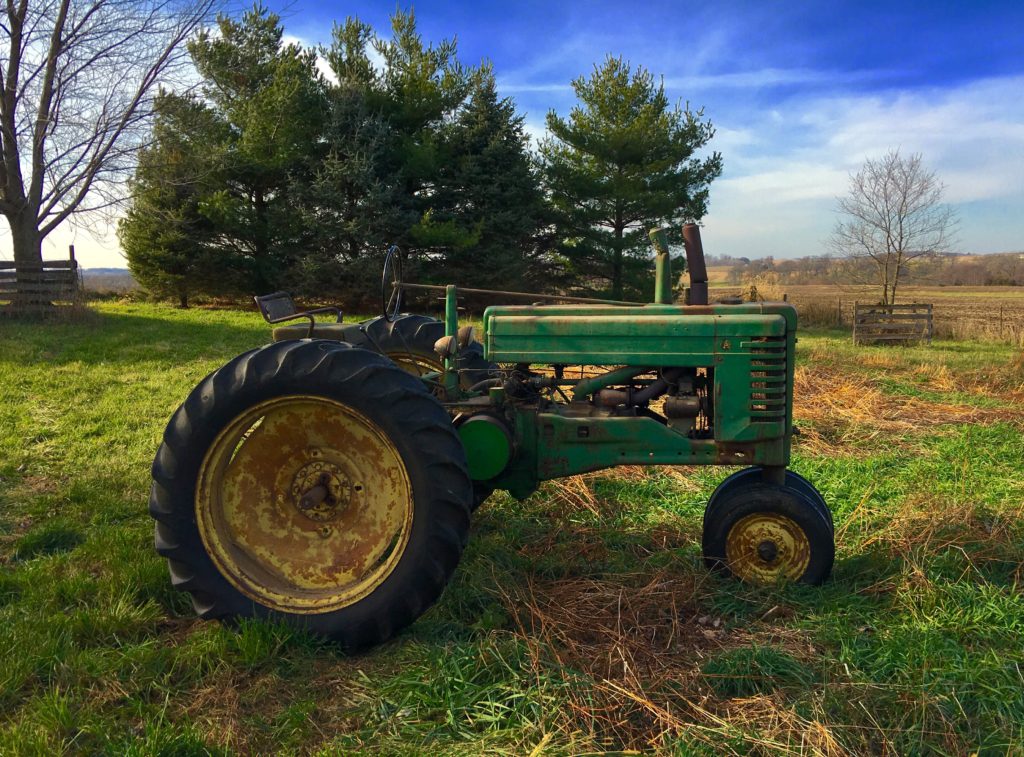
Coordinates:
41	284
893	324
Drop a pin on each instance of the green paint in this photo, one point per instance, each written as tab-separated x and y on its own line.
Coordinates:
451	330
488	446
744	352
663	267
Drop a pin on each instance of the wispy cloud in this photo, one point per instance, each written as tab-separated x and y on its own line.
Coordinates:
784	169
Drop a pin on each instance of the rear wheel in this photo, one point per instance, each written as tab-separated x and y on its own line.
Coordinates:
315	483
409	342
764	534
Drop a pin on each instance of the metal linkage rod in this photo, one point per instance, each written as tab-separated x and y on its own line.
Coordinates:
531	295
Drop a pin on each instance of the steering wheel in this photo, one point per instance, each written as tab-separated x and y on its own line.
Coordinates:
391	276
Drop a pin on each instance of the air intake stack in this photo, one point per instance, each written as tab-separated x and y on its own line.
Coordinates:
698	294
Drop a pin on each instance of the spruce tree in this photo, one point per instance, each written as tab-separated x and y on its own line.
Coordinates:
164	234
623	162
488	207
269	97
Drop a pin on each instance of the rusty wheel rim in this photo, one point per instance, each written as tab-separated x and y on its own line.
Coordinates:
417	365
765	548
304	504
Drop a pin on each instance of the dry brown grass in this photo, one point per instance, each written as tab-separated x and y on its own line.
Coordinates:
963	313
923	526
846	409
643	639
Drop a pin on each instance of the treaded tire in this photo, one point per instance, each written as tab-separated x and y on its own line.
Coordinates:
400	406
415	335
767	498
752	476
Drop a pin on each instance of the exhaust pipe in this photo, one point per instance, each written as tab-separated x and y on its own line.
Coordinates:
698	294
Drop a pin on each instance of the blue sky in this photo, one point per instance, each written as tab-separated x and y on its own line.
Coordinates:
800	93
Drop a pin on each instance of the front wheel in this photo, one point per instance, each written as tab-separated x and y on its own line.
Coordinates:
765	534
314	483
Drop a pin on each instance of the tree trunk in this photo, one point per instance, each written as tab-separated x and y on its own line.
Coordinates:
260	247
895	279
885	281
28	259
183	299
617	261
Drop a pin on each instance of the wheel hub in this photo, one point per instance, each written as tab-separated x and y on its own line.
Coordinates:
766	547
767	551
304	504
320	490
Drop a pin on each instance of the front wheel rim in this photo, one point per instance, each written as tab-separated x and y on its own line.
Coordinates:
764	548
304	504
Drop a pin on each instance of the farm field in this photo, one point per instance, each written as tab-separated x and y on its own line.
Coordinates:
579	621
994	313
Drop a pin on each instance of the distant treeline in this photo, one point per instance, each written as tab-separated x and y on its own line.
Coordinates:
1002	269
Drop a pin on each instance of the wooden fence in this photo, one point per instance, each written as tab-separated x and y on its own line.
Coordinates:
892	323
40	284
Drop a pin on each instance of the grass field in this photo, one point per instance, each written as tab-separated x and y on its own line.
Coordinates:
579	621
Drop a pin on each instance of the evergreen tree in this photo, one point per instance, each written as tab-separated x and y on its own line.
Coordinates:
164	235
269	99
622	163
423	153
406	103
488	207
214	203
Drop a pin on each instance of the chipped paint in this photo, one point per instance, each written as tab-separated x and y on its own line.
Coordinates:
763	548
249	504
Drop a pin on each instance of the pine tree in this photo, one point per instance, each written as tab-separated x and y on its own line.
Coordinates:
215	198
164	234
622	163
269	97
488	207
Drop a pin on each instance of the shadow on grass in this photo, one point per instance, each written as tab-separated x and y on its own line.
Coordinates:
165	337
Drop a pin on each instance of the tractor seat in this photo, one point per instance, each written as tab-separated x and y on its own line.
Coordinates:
280	307
341	332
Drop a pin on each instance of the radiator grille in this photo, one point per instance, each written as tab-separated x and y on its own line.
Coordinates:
768	380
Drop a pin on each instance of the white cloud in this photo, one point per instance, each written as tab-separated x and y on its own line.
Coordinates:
778	189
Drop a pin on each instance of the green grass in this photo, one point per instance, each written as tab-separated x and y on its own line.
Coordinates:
580	620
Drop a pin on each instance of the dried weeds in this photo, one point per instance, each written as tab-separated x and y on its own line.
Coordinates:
848	409
642	639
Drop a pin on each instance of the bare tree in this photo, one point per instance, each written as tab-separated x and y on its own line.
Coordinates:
77	82
893	214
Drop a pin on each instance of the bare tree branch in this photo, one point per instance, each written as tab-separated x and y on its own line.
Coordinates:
78	80
893	215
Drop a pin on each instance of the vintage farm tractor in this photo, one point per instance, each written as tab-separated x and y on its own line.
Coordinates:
327	479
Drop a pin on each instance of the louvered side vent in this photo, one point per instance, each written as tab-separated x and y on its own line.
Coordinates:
768	380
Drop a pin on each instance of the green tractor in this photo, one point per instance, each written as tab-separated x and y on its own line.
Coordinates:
327	479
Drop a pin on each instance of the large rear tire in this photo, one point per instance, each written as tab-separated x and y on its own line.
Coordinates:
409	342
315	483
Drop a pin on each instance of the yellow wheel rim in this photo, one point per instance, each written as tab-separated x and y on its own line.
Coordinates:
304	504
417	365
764	548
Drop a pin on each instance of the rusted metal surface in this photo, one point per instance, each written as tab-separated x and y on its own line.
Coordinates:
304	504
764	548
695	264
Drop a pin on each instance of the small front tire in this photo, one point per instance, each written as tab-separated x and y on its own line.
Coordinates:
765	534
